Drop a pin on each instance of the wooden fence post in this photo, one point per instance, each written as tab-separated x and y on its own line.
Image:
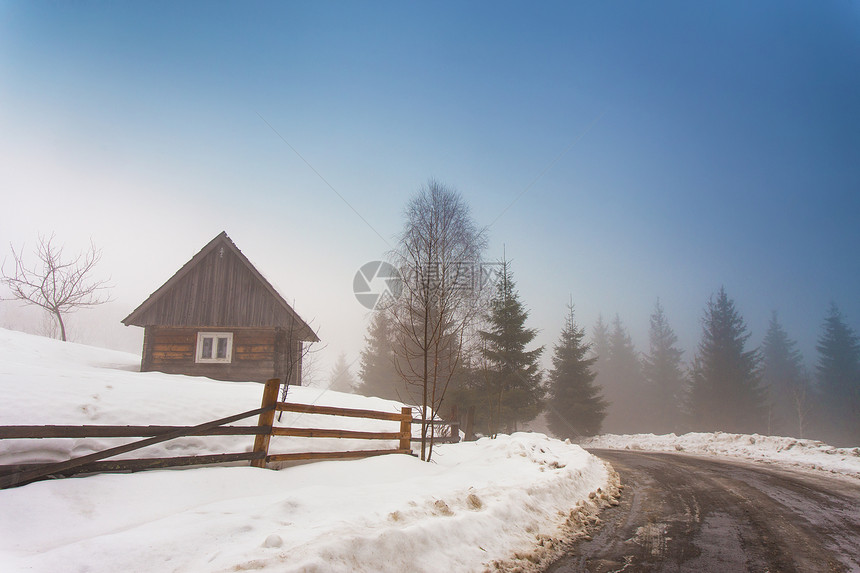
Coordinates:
266	420
406	428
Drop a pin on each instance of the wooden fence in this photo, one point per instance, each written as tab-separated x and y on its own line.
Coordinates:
270	397
259	456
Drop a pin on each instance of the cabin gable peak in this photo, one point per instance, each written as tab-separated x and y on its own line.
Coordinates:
219	288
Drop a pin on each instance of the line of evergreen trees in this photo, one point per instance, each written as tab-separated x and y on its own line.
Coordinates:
499	377
730	386
605	385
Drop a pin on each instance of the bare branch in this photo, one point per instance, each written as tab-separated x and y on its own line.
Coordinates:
434	312
57	285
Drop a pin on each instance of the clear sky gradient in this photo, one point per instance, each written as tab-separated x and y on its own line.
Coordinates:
619	151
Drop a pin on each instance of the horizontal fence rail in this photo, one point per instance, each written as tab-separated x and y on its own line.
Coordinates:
403	436
60	468
13	432
332	455
20	474
145	464
453	436
322	433
335	411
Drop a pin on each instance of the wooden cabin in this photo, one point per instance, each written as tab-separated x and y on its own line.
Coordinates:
219	317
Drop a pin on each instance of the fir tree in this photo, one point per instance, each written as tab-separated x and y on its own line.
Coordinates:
622	383
341	379
467	393
664	375
377	372
783	379
600	342
725	393
513	377
600	352
838	371
575	406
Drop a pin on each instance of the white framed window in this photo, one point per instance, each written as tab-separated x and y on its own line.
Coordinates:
214	347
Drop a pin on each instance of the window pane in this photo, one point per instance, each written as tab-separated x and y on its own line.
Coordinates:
222	348
206	350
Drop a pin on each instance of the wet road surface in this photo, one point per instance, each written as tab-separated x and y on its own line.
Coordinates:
687	513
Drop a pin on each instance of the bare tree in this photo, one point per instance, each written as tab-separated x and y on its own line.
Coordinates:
57	284
299	360
439	255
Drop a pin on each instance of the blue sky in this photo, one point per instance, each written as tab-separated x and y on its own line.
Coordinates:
657	149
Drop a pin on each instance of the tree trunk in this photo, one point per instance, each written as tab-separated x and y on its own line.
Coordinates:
62	325
426	350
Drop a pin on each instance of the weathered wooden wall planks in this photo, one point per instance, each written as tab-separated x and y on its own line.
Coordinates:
220	291
257	353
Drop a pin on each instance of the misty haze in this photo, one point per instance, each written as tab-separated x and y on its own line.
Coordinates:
470	287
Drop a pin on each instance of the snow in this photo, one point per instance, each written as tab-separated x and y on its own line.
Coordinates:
490	504
792	452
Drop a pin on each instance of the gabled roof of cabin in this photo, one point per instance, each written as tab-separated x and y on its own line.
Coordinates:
219	287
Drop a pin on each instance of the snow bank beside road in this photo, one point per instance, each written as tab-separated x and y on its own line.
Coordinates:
489	504
795	452
481	501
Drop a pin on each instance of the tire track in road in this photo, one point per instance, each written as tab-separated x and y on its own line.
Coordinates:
686	513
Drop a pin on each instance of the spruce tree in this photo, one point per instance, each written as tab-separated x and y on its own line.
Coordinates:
574	406
466	393
622	383
600	342
513	376
664	375
341	379
783	379
725	393
377	372
838	372
600	352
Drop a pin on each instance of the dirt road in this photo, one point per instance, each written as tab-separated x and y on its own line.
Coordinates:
686	513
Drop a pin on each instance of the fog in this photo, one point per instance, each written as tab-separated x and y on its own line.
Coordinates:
615	156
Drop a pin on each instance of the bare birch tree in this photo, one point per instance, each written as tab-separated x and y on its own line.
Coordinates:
57	284
298	362
439	256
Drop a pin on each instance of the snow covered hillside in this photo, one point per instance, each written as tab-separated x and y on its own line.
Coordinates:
794	452
482	505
